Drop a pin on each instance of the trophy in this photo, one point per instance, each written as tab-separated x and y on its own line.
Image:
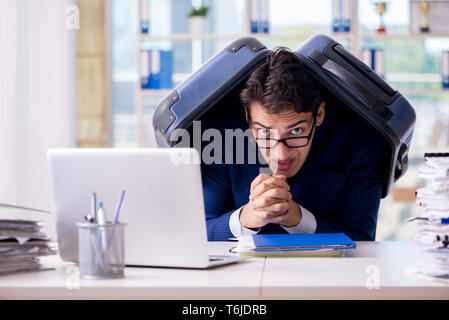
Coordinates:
381	7
424	8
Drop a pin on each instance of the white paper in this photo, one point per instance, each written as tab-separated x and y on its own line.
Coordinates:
12	206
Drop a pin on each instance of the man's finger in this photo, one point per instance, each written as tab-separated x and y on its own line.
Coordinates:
261	177
278	218
277	193
262	202
266	216
277	208
268	184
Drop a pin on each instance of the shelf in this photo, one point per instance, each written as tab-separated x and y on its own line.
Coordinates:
405	36
207	36
423	92
342	35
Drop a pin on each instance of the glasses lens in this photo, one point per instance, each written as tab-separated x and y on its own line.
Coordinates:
297	142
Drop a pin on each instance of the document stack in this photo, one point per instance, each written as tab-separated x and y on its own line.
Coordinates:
22	243
432	227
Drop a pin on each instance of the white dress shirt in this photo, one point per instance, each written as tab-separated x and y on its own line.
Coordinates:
306	225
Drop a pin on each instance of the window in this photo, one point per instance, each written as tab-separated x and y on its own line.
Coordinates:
411	65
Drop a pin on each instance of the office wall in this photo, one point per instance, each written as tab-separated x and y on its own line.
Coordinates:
37	99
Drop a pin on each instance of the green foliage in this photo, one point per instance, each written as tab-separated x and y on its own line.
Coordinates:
199	12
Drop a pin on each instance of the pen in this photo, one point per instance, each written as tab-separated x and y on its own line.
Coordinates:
119	205
94	206
101	214
101	236
117	212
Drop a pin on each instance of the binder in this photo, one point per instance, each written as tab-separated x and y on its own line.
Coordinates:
264	26
346	19
253	14
374	58
144	16
145	69
157	69
336	15
311	244
341	15
445	69
302	241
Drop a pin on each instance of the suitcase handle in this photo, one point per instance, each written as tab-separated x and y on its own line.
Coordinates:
338	71
364	69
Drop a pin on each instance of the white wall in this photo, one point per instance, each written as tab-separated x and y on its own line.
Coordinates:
37	100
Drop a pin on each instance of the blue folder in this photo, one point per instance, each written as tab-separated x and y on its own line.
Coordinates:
157	74
302	241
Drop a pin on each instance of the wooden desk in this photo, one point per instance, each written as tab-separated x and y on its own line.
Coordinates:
257	278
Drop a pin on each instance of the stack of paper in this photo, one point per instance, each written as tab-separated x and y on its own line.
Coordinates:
314	244
21	245
432	226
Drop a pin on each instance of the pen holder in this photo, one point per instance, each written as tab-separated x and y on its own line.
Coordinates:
101	250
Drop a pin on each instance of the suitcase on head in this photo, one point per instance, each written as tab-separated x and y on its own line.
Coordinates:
336	69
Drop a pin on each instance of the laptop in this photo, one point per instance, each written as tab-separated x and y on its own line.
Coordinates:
163	205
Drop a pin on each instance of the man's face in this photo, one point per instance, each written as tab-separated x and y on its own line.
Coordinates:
287	124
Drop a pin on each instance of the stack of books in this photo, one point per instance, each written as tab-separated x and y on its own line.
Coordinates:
22	243
291	245
432	226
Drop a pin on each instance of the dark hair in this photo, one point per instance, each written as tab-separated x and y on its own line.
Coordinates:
282	83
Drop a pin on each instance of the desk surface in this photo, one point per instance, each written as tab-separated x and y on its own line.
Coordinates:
373	270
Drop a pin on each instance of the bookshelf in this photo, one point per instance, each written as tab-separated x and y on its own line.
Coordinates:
354	42
210	36
421	86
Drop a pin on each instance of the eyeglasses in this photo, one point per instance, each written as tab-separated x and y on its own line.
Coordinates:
291	142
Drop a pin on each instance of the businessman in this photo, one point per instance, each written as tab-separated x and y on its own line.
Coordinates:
325	161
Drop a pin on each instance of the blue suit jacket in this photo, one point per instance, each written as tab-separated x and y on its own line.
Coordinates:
340	183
